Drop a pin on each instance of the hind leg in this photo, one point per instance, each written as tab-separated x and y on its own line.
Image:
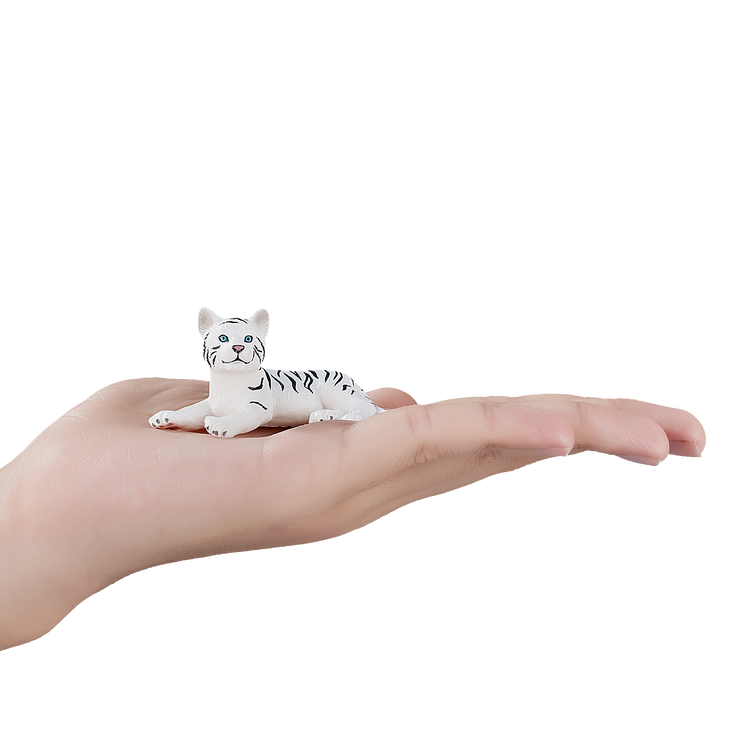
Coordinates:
364	408
342	398
363	411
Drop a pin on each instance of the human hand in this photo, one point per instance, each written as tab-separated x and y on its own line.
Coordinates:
100	495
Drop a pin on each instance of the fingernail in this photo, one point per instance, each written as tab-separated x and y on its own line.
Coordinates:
646	460
552	452
687	448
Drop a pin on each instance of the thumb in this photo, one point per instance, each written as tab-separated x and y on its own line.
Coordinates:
390	398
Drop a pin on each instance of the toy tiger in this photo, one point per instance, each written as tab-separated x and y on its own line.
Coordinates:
243	395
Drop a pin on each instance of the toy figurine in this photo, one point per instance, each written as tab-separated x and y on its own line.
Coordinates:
243	396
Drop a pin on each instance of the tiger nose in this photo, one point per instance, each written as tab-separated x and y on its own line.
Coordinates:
238	348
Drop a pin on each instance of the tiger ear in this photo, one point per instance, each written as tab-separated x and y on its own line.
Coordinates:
260	319
206	319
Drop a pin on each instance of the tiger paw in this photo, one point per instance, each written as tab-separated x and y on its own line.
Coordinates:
219	427
323	415
162	420
355	416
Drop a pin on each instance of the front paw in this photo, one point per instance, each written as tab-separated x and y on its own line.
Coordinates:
162	420
219	426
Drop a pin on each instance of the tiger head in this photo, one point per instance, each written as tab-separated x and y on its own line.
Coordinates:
233	344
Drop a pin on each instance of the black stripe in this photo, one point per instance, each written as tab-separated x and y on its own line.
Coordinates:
314	374
257	387
339	379
233	320
259	404
308	382
276	379
291	380
328	375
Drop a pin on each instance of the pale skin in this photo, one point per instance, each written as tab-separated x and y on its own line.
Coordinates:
100	495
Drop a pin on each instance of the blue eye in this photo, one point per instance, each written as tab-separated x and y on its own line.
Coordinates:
223	338
248	339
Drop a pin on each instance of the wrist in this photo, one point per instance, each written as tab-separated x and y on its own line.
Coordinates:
37	589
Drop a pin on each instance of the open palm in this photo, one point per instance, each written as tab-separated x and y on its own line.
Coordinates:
100	494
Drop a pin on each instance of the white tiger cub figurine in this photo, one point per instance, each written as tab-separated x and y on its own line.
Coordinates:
243	396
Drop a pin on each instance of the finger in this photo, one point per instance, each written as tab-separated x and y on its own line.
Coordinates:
390	398
685	434
599	427
378	449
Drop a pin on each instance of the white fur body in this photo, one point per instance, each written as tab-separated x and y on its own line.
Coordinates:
244	396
